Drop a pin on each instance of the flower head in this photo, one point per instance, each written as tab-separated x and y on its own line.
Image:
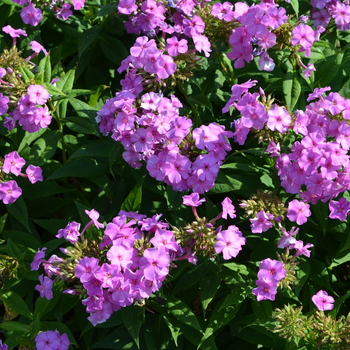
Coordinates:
323	301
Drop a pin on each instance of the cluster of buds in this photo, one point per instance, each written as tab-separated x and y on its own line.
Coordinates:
318	330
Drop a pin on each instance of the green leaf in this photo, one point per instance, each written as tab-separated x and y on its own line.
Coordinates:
16	304
94	148
118	339
295	5
133	317
80	125
29	138
173	324
113	49
328	70
201	100
108	9
53	91
44	148
87	38
83	109
287	86
133	201
15	327
296	91
181	312
2	222
45	67
27	75
66	81
208	288
81	167
343	254
18	209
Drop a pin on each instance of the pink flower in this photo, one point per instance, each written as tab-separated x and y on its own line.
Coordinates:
155	264
94	215
9	192
271	270
229	242
298	211
228	208
261	222
45	287
265	290
323	301
31	15
78	4
14	33
193	200
34	174
13	163
36	47
70	232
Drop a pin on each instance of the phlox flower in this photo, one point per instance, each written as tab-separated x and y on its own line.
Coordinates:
323	301
13	163
38	94
155	264
34	173
174	46
228	208
31	15
229	242
3	346
94	215
14	33
301	249
52	340
192	200
265	290
9	191
38	258
271	270
262	222
45	287
339	210
298	211
70	232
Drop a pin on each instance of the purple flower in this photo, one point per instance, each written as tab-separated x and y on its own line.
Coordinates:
31	15
265	290
13	163
271	271
45	287
94	215
70	232
9	192
14	33
38	94
323	301
155	264
38	258
229	242
34	174
339	210
298	211
86	268
261	222
52	340
193	200
228	208
3	346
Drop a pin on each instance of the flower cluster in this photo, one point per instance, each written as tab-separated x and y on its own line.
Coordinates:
52	340
158	135
130	262
13	164
324	11
317	167
270	274
201	237
21	102
32	13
